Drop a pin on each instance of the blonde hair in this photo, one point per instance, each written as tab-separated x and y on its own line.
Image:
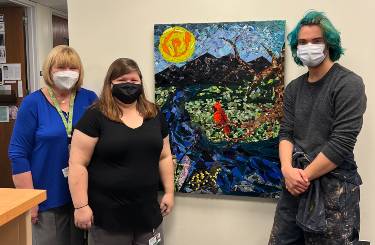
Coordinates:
108	105
62	56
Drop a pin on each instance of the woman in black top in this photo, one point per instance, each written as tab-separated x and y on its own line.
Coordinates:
120	147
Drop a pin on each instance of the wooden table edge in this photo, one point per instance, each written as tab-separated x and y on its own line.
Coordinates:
24	207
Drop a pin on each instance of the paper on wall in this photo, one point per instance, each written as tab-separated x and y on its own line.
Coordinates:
11	71
20	90
3	56
4	114
6	89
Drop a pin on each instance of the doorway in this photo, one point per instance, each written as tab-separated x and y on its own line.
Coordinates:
14	79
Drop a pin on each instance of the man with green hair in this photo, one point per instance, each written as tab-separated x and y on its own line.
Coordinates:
323	115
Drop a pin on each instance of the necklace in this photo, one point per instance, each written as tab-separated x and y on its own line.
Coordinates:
62	101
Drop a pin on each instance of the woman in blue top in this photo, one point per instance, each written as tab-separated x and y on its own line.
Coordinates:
39	147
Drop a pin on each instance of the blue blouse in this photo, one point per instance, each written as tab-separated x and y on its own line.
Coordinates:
39	144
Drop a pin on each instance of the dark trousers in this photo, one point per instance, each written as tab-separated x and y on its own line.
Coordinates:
341	200
56	227
99	236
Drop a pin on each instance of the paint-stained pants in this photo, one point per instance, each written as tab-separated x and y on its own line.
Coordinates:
341	200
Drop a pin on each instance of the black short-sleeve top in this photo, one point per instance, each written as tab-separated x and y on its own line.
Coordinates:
123	174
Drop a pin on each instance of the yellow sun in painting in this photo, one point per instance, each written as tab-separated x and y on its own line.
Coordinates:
177	44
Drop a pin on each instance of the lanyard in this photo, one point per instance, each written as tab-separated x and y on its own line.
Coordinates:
68	122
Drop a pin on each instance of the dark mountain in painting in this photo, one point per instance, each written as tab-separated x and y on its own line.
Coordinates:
259	64
168	76
207	69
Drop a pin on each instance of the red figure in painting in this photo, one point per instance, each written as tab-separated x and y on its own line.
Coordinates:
220	118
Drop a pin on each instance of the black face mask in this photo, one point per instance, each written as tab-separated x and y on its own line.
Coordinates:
127	93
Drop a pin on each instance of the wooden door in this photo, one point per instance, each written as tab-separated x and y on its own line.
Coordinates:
60	31
15	53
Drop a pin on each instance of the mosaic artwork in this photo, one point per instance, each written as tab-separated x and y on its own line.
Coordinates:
220	86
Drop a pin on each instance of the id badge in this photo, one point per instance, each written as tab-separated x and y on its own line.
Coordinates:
65	172
155	239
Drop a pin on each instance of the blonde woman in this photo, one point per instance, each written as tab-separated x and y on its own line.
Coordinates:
119	149
39	147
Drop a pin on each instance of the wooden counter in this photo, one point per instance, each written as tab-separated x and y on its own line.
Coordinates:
15	219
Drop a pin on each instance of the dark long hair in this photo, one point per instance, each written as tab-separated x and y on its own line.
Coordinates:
109	106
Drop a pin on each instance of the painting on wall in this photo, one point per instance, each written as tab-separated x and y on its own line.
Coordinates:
220	87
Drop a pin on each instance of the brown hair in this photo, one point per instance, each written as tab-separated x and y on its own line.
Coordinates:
109	106
62	56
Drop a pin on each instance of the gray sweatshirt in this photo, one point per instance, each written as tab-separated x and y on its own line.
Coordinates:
326	116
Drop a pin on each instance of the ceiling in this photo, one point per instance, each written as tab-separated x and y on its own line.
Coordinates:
6	3
60	5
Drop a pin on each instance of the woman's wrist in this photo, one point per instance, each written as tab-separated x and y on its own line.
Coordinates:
81	206
169	191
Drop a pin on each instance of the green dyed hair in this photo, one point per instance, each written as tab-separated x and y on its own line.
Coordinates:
330	33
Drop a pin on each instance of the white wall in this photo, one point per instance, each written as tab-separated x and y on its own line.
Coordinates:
103	31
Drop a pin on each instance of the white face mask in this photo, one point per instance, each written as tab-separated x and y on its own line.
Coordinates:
311	54
65	80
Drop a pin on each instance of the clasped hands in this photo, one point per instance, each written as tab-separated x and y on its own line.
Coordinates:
296	180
